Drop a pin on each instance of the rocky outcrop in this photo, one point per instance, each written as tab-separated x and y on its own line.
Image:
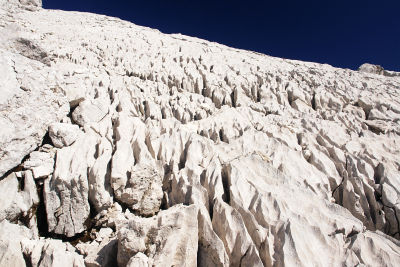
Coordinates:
20	247
48	252
66	192
168	239
17	5
120	145
27	108
376	69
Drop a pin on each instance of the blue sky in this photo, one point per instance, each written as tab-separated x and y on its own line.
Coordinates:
341	33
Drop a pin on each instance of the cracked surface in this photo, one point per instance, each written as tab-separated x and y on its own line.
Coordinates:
168	149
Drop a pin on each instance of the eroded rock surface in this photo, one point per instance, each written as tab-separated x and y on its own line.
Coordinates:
17	201
63	134
168	239
120	145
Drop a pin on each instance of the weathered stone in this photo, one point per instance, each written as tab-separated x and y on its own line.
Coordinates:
138	260
188	152
135	178
143	193
17	201
102	251
66	193
100	190
11	236
369	68
47	252
25	114
63	134
90	111
40	163
170	238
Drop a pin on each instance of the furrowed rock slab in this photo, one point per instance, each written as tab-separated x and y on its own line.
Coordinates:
66	192
123	146
27	113
170	238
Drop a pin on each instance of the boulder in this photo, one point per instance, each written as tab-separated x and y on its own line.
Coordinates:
63	134
370	68
90	111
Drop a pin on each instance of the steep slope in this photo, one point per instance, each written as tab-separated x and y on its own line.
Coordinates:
123	145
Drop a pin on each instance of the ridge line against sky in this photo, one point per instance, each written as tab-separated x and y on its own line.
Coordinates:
342	33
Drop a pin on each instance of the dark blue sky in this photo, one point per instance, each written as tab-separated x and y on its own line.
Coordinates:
341	33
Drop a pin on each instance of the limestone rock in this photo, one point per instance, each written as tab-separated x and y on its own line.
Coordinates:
211	250
40	163
16	201
25	116
47	252
171	150
100	190
63	134
10	248
369	68
376	69
102	251
66	193
8	84
144	192
374	249
168	239
229	226
135	177
31	4
113	217
90	111
20	247
138	260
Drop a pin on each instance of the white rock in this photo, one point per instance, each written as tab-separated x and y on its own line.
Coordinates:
8	84
17	201
10	248
47	252
40	163
138	260
375	249
66	193
31	4
102	251
211	251
135	177
170	238
90	111
113	217
143	193
63	134
229	226
370	68
240	158
25	116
